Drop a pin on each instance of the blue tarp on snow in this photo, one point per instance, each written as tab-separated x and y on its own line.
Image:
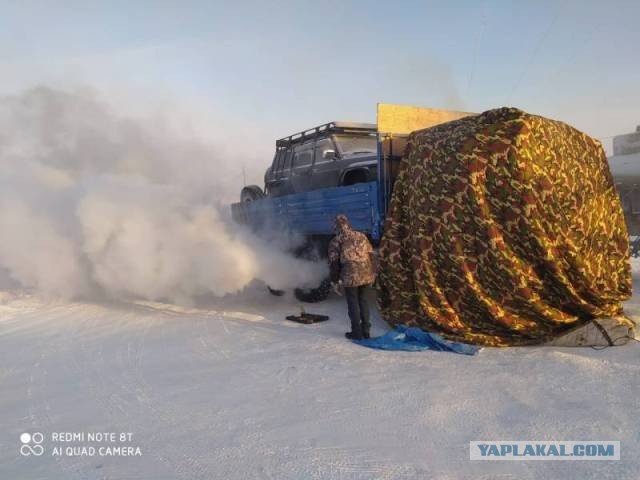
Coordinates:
413	339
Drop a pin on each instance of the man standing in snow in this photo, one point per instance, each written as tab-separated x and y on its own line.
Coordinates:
351	263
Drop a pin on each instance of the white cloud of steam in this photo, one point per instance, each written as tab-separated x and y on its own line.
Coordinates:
95	203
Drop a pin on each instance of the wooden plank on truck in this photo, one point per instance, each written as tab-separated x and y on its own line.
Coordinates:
404	119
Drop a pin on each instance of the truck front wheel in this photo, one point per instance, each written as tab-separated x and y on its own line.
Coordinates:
314	295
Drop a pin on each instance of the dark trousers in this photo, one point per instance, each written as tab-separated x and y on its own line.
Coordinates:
358	310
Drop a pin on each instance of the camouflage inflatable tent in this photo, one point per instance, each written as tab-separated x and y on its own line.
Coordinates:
503	229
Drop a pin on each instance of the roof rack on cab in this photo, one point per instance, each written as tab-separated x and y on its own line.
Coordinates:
332	127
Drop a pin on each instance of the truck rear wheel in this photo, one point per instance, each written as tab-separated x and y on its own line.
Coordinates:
314	295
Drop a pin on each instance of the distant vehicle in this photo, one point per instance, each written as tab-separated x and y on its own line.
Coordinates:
338	167
625	169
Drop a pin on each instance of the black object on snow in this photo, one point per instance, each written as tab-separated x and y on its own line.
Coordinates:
308	318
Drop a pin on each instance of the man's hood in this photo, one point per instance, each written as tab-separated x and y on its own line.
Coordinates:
342	224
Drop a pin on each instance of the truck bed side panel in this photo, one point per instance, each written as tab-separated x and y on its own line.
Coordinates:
312	213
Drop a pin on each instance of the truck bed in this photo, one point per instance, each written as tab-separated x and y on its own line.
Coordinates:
312	213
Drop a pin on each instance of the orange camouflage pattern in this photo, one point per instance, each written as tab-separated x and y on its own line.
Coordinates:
504	228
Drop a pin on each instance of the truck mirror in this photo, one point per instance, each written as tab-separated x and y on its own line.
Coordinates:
329	154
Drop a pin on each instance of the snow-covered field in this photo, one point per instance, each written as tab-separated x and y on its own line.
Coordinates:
231	390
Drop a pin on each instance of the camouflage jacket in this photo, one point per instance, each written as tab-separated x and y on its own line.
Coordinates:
350	256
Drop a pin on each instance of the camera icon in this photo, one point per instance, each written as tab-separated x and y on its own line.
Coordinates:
31	444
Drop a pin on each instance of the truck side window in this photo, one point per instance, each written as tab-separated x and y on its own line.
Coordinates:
323	145
303	156
277	161
286	160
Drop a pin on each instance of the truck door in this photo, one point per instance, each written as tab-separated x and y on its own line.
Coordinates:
325	171
277	179
301	167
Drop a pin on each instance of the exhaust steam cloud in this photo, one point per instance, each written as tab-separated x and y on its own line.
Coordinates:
97	204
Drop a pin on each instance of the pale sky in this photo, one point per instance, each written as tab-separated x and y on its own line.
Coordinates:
267	69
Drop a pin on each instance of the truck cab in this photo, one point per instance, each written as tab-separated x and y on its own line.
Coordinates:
331	155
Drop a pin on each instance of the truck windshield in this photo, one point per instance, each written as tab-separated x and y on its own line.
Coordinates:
352	144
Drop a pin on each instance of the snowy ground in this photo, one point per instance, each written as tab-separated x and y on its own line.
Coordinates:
233	391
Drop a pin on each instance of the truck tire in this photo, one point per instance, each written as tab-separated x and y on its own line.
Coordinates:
251	193
314	295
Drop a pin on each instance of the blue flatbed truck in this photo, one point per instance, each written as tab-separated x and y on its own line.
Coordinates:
311	213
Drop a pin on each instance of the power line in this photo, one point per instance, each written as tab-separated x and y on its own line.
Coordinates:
483	24
575	53
534	53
